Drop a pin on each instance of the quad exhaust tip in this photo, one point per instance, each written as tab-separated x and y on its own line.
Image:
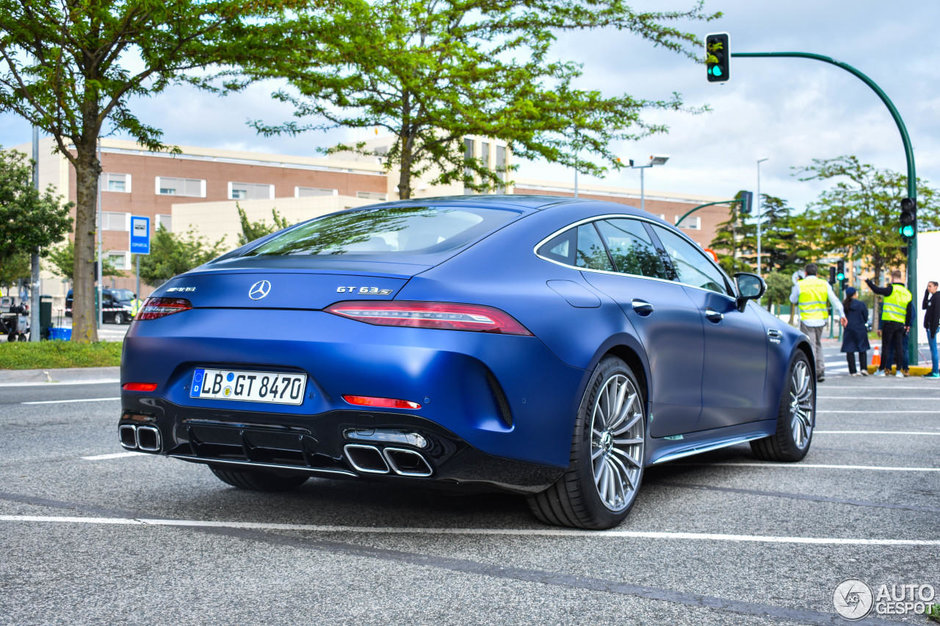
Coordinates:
367	459
372	460
143	438
407	462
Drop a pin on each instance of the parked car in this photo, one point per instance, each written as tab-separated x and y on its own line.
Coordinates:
116	305
551	347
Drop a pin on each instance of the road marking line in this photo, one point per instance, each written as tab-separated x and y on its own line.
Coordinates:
934	433
875	468
69	401
827	386
113	455
527	532
877	398
97	381
906	412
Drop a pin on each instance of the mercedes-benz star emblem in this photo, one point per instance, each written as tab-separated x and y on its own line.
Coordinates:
259	290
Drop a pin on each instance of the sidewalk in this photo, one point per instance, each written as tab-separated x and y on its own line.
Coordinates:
14	378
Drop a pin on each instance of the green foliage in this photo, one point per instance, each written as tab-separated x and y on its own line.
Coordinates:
30	221
23	355
779	286
172	254
15	268
63	262
432	73
71	69
857	218
256	230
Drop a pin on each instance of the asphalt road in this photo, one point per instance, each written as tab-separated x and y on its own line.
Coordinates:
91	534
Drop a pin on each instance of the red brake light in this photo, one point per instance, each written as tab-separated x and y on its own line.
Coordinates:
440	315
385	403
161	307
139	387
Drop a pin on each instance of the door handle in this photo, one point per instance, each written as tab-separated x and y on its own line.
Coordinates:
642	307
714	316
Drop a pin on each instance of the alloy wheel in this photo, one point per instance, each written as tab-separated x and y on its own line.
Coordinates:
617	442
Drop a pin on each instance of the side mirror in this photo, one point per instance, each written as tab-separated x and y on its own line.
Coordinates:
750	287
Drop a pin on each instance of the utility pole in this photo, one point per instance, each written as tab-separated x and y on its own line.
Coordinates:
34	284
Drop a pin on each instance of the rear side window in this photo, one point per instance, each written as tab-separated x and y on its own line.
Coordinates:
632	248
580	247
393	230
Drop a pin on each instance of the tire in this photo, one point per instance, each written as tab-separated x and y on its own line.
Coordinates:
118	318
796	416
260	480
607	454
21	337
11	337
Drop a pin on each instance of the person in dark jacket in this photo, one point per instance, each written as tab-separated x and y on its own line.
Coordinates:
855	336
931	306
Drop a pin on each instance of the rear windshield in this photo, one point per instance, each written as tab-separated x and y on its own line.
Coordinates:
393	230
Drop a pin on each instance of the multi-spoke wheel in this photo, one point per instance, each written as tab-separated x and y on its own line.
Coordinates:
607	454
796	418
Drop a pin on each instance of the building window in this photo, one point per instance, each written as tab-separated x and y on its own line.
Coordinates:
250	191
191	187
120	183
115	221
501	167
118	259
166	221
468	171
485	154
691	223
371	195
312	192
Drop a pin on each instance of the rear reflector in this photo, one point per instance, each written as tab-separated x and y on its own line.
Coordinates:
155	308
139	387
384	403
439	315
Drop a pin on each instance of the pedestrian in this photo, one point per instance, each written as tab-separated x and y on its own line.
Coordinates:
931	306
811	294
896	313
855	337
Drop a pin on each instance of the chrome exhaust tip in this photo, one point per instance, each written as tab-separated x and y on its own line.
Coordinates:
148	438
407	462
128	436
366	459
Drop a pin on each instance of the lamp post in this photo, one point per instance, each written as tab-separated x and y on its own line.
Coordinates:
656	159
758	212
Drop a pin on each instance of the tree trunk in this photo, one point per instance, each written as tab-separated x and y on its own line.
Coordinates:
406	137
84	314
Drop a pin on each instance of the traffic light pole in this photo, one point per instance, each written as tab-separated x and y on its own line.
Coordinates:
908	153
701	206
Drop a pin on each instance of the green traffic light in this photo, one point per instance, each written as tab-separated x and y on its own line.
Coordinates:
840	276
907	231
716	71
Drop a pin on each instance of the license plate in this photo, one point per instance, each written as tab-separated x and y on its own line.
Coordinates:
247	386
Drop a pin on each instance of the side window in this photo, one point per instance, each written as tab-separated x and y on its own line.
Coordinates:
591	252
631	248
691	264
560	247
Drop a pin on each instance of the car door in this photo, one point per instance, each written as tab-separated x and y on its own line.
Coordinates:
735	357
665	319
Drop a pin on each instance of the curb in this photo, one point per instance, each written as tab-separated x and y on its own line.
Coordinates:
13	378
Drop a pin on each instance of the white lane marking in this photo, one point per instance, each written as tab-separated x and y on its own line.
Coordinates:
934	433
905	412
923	399
527	532
69	401
114	455
827	386
873	468
97	381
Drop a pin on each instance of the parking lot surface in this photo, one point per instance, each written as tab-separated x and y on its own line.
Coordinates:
93	534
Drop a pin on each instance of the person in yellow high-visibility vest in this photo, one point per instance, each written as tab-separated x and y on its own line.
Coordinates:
896	314
811	295
136	303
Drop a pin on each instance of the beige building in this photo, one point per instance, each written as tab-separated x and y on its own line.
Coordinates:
198	188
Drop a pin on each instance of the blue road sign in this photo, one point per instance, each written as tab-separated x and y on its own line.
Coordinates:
140	234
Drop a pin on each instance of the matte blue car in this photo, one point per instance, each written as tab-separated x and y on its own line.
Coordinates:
551	347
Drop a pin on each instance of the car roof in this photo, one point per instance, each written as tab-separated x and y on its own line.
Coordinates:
521	203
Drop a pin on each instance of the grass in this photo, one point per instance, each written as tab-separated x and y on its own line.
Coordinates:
933	612
23	355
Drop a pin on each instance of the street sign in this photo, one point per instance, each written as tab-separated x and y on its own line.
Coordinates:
140	234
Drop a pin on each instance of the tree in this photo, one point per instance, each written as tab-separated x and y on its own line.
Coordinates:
172	254
14	268
70	69
779	286
63	262
433	72
256	230
30	221
857	218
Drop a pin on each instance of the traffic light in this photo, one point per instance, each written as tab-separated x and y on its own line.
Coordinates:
908	218
840	270
747	202
832	275
717	57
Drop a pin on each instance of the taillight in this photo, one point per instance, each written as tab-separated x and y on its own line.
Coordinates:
161	307
385	403
440	315
139	387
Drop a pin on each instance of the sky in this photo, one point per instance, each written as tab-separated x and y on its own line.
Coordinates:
789	111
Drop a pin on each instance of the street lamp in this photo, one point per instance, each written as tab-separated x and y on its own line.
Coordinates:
758	212
655	159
